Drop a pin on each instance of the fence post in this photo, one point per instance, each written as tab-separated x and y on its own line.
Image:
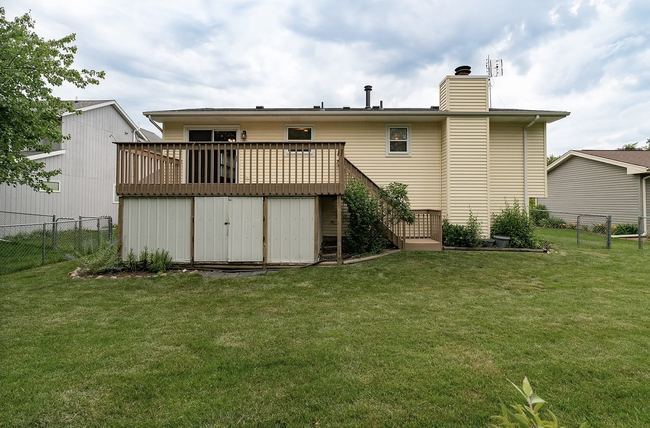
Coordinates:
609	232
43	259
99	235
639	230
110	229
578	229
80	227
53	231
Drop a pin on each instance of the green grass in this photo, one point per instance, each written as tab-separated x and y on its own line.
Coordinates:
25	250
412	339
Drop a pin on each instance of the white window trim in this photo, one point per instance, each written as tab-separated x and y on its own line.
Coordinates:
407	153
53	191
187	128
286	133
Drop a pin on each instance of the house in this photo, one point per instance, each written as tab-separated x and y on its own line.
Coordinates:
264	185
87	180
610	182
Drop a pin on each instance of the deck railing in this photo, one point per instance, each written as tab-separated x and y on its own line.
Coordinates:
230	168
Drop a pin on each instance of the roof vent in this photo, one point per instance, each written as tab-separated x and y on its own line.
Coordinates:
463	70
316	106
367	88
259	107
346	107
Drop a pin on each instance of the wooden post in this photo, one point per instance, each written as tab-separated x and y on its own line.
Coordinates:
192	208
265	230
316	228
339	251
120	226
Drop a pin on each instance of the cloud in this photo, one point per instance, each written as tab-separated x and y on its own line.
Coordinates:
588	57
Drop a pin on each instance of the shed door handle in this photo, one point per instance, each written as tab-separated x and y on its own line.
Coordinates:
227	223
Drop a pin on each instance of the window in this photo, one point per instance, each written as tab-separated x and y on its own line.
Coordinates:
398	140
54	186
299	133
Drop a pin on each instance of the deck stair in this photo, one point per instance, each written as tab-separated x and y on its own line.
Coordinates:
423	235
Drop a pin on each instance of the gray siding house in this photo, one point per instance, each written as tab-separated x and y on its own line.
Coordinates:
612	182
86	185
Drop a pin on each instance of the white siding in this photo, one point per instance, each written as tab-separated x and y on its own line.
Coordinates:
87	169
157	223
245	236
291	230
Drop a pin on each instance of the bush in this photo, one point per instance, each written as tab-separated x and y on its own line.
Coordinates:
105	259
538	214
160	261
625	229
515	223
458	235
551	223
366	232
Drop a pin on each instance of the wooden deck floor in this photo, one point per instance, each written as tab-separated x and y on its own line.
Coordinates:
422	244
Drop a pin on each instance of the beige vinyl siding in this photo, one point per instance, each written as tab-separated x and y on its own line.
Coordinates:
537	160
586	186
443	97
444	168
464	93
506	165
468	169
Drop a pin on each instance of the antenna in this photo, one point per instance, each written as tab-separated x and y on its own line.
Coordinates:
494	69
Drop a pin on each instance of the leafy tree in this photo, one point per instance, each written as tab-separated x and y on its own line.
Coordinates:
30	115
633	146
551	158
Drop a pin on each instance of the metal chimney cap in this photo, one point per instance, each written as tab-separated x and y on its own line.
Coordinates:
463	70
367	88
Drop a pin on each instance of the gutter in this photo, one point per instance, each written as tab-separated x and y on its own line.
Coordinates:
526	203
155	124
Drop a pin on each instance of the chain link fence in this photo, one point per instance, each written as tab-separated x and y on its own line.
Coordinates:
10	217
33	244
594	230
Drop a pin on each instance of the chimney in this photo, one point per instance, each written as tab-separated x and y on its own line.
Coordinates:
463	70
367	88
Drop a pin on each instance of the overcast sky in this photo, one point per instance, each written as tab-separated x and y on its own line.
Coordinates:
591	58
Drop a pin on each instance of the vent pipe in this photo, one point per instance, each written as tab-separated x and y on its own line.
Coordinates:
367	88
463	70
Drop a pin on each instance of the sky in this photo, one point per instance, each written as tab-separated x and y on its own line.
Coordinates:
591	58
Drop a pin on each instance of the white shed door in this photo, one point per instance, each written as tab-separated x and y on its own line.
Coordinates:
228	229
291	230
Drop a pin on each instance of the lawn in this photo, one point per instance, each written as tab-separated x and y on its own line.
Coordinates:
412	339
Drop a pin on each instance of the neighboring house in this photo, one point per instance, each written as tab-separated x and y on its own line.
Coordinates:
611	182
86	185
265	184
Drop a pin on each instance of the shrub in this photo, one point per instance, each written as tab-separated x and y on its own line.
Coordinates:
458	235
131	262
105	259
515	223
144	260
160	261
551	223
625	229
527	415
366	231
538	214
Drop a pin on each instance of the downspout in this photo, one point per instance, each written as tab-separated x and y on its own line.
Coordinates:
158	126
526	204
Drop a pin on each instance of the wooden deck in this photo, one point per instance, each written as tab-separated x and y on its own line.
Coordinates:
230	169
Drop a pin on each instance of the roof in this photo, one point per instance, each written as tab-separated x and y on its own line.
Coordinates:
317	113
635	161
150	136
85	105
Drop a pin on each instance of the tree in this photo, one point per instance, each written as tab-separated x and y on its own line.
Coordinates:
30	115
551	158
633	146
